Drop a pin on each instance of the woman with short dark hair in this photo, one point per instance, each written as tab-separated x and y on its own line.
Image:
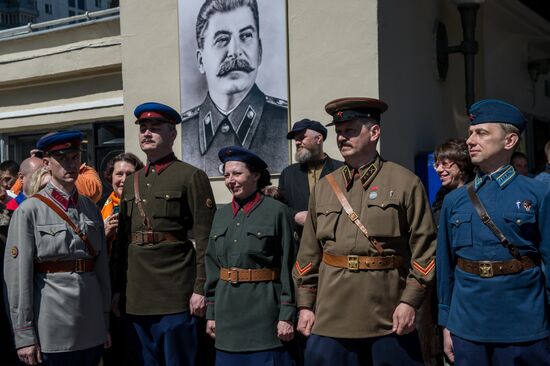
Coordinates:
251	252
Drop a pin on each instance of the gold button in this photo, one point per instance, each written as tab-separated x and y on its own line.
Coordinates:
148	184
326	211
382	205
259	233
144	200
238	224
167	196
215	236
518	221
234	241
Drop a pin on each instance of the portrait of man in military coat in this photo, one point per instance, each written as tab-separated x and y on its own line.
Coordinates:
233	80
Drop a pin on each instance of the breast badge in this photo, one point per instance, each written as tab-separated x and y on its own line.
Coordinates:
14	252
527	205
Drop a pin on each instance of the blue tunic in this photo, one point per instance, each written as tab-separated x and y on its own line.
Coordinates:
507	308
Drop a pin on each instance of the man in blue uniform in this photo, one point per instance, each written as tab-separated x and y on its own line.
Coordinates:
491	286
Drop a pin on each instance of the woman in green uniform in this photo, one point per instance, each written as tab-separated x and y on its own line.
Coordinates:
251	251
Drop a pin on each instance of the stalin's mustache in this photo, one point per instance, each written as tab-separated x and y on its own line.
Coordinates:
234	64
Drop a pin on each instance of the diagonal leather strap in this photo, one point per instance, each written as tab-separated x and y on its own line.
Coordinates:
68	220
139	203
351	214
486	219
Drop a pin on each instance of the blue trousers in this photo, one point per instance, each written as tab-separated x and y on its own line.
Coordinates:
470	353
274	357
85	357
169	340
377	351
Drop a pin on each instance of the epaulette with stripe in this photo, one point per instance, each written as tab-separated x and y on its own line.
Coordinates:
190	113
276	101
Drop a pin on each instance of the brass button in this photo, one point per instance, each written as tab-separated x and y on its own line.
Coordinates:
259	233
382	204
144	200
238	224
234	241
326	211
167	196
148	184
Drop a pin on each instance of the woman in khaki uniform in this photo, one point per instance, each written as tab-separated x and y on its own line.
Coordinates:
251	251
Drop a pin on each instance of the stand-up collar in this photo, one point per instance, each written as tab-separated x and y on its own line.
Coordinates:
161	164
503	177
64	200
248	204
366	173
242	121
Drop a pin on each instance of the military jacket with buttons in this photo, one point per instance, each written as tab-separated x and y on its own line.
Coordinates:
65	311
259	123
506	308
161	278
391	202
247	314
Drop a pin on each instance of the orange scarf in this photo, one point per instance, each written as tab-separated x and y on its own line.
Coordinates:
109	207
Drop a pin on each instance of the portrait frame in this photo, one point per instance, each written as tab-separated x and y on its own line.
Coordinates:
272	77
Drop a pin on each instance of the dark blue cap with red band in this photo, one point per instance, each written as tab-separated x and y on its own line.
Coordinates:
60	142
156	111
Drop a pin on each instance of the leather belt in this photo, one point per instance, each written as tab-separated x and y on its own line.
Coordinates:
77	265
155	237
361	262
488	269
237	275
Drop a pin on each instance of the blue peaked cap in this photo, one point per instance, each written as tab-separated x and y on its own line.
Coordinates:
156	111
238	153
60	142
496	111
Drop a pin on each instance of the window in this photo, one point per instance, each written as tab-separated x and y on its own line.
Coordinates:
72	3
71	13
82	4
48	8
98	3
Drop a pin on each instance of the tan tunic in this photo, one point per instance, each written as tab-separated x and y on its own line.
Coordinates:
392	204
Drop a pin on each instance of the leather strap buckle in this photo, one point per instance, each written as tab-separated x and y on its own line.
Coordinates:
485	269
353	216
233	275
353	263
80	265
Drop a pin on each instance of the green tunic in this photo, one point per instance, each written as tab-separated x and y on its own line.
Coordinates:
247	314
162	277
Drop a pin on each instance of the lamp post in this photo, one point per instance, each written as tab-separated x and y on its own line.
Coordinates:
468	47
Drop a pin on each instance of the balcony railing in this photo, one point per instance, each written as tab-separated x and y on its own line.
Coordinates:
60	23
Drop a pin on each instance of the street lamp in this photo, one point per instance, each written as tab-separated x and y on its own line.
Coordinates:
468	47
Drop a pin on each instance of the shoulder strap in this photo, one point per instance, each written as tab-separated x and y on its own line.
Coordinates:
351	214
139	203
68	220
486	219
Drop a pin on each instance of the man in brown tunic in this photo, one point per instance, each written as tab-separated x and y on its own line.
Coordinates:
366	259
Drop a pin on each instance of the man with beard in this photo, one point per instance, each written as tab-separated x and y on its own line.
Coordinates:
235	111
366	257
299	179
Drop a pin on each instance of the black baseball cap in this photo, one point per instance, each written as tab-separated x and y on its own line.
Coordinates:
305	124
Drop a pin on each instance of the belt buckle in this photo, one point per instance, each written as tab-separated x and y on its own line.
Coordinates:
80	265
353	263
485	269
353	216
230	273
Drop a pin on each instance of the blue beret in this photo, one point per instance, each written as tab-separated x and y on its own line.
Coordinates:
60	142
496	111
156	111
307	124
237	153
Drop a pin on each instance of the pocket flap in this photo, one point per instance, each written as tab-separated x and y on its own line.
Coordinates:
51	229
217	231
520	217
384	202
261	231
328	209
460	218
168	195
